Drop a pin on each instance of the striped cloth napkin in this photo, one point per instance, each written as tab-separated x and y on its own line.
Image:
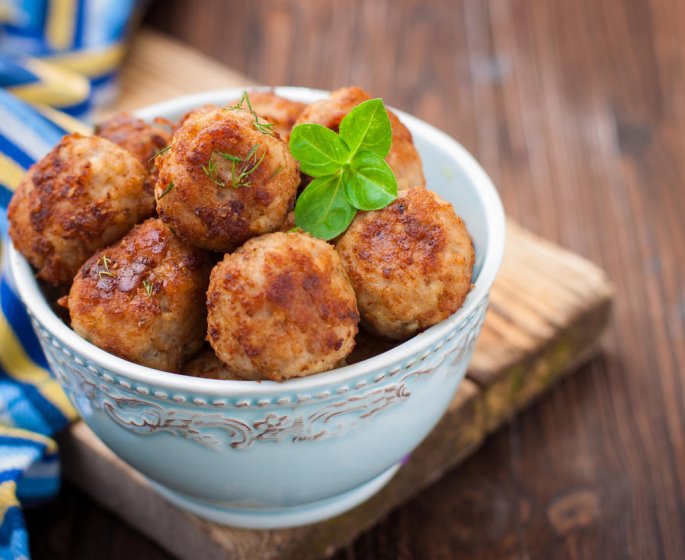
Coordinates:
58	59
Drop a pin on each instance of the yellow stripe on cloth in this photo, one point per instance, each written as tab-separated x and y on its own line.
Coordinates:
50	445
61	22
58	86
11	172
8	497
20	367
91	63
67	122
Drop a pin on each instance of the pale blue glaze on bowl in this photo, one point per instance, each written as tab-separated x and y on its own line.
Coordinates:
273	454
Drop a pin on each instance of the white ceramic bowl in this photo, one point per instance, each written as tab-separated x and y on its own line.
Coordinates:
266	454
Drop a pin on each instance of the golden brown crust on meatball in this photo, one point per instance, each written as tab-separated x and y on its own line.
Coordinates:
143	140
281	112
410	263
223	181
143	299
403	158
281	306
207	365
85	194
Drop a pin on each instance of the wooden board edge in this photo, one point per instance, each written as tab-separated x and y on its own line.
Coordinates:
522	383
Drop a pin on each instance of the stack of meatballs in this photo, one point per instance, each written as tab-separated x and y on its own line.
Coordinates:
165	235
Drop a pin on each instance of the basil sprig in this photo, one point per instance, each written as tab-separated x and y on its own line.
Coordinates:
349	169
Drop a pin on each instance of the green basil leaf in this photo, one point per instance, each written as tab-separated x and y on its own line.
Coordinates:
322	208
318	149
369	182
367	127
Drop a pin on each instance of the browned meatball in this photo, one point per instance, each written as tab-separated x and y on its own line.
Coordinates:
410	263
281	306
141	139
203	109
207	365
224	181
403	158
281	112
143	299
85	194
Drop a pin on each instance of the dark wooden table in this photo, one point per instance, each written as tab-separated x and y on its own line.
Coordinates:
577	110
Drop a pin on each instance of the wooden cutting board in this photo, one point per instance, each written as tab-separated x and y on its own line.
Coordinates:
548	309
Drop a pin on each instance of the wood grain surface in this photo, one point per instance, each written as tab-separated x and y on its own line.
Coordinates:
576	110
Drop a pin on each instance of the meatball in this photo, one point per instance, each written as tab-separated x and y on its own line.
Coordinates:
281	112
143	299
403	158
141	139
207	365
410	263
224	180
85	194
281	306
207	108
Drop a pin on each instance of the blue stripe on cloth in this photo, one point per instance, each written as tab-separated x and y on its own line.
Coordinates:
17	410
14	474
79	42
15	311
31	22
104	79
11	150
5	195
79	110
12	74
29	131
40	481
32	491
14	542
106	26
50	413
26	445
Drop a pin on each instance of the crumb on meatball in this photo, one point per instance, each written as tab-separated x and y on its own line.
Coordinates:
410	263
224	181
206	365
281	306
403	158
143	299
85	194
281	112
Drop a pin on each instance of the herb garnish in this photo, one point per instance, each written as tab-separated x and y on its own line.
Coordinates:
158	153
211	171
349	169
166	191
104	262
230	157
148	287
264	127
241	168
276	172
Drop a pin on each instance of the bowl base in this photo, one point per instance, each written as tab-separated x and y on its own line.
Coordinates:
279	518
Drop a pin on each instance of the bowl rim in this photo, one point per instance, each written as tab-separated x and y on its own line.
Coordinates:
31	295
